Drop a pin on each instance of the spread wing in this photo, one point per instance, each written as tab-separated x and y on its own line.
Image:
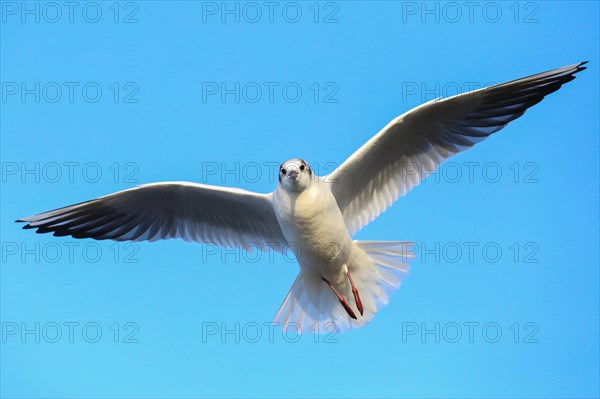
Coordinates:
411	146
194	212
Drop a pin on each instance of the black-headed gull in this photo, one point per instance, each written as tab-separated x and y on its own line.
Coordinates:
342	283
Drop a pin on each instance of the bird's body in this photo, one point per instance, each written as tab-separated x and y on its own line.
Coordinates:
333	267
342	282
314	228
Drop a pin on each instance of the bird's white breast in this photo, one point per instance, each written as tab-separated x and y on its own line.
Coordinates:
314	227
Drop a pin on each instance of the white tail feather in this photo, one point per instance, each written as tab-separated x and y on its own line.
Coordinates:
377	269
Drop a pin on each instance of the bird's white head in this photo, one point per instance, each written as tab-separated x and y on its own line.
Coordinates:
295	175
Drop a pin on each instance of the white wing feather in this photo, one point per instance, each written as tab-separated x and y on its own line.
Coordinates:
193	212
411	146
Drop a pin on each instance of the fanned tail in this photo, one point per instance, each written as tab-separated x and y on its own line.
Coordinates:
377	269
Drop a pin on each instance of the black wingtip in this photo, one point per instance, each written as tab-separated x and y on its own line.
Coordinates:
27	226
580	66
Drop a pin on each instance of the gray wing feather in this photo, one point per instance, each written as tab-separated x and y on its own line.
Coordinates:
411	146
193	212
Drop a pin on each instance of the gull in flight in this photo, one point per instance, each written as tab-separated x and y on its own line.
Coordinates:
342	282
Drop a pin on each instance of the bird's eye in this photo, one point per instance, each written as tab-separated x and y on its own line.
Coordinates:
302	167
282	171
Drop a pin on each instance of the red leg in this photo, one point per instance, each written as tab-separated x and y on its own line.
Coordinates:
342	300
359	304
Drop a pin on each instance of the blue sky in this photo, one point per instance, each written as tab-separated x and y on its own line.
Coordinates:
502	300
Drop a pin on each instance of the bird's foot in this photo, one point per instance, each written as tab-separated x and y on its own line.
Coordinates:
341	299
357	300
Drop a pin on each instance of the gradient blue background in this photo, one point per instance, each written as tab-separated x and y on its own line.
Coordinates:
371	53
